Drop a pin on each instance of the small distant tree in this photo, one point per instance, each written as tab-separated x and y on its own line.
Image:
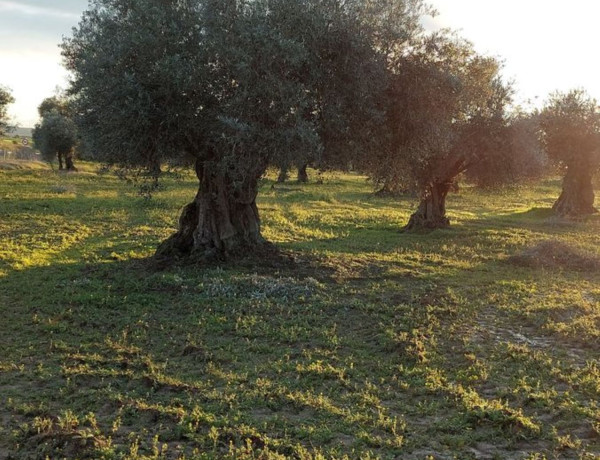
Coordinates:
5	100
446	111
520	156
56	135
571	135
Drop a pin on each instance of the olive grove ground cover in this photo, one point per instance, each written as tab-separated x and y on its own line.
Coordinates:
356	341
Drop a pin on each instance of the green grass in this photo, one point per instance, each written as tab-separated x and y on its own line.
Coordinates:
10	143
372	344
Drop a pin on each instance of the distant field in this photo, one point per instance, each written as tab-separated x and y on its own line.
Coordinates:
357	342
25	132
11	165
10	145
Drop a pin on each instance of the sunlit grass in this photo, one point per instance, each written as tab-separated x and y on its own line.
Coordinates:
374	343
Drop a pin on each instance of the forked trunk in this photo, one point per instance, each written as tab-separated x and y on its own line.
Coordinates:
221	219
431	213
302	174
577	197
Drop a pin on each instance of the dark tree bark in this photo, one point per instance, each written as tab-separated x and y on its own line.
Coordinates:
283	175
577	197
60	162
69	166
302	174
431	213
155	172
221	220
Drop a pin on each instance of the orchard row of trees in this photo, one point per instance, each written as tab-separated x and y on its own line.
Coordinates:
233	86
230	87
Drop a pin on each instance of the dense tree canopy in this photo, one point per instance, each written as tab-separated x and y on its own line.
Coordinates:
520	156
571	127
5	100
54	104
446	111
56	135
231	87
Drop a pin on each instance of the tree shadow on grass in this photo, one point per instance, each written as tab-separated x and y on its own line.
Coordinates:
298	341
467	233
135	347
252	348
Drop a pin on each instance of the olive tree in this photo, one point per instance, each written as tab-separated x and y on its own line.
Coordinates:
226	86
56	135
54	104
520	155
446	111
6	99
571	135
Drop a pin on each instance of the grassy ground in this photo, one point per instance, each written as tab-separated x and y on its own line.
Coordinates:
10	142
361	342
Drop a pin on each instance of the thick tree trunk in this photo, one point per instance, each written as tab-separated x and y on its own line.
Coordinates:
221	220
283	175
69	166
302	174
577	197
431	213
60	162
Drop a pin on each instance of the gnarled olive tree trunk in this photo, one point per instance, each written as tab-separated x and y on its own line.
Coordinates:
222	218
431	213
577	197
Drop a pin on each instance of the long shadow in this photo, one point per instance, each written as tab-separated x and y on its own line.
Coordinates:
133	345
535	219
388	238
147	348
283	343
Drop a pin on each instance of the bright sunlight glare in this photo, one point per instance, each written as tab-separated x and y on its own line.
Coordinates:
546	45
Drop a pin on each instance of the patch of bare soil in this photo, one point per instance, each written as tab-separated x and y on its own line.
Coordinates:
493	330
555	254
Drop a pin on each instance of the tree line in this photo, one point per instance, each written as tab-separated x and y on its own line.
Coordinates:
231	87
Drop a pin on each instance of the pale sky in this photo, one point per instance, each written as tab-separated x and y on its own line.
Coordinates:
546	45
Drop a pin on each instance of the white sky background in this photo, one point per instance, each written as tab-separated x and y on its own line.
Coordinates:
30	61
546	45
